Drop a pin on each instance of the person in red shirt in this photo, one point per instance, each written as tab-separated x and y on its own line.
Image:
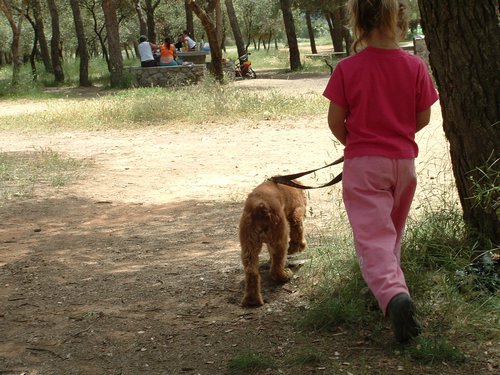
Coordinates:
379	98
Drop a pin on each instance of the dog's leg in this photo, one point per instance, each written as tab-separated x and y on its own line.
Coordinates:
296	221
277	251
250	258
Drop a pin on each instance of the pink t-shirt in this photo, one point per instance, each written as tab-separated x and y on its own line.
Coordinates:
382	90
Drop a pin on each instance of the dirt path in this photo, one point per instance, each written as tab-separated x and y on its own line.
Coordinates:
135	269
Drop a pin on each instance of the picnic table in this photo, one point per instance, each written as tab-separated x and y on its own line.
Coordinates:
329	55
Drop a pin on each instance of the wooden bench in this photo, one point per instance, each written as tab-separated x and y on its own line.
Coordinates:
166	76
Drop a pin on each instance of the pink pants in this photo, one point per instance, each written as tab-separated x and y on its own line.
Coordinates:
377	194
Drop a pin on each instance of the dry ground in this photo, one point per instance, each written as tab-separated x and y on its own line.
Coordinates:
135	269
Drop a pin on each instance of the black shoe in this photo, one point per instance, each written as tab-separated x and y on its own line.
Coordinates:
401	312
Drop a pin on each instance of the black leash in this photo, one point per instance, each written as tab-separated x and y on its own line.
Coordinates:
287	179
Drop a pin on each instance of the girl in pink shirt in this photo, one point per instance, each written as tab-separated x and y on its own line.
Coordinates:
379	98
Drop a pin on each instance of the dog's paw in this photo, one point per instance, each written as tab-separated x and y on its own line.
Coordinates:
282	276
252	301
296	247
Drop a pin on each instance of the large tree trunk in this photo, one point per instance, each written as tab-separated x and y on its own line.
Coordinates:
346	33
55	43
189	19
114	45
463	40
233	21
310	31
42	40
150	19
336	16
143	26
33	53
291	35
82	44
211	31
16	36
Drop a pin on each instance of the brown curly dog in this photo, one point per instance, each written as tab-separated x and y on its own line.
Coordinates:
273	215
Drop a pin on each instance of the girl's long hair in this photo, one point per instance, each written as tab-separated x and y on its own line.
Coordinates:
386	15
168	41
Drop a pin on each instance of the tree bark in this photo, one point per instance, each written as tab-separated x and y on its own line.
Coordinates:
310	31
291	35
189	19
98	30
235	27
42	40
33	53
82	44
114	46
143	27
463	40
55	43
16	36
338	29
210	29
150	19
346	33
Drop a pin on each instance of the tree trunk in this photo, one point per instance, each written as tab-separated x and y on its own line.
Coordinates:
346	33
150	19
233	21
33	53
463	40
98	31
82	44
310	31
115	55
34	72
291	36
55	43
338	29
329	20
189	19
219	23
16	36
210	29
42	40
143	27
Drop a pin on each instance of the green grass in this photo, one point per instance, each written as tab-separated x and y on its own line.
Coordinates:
308	357
434	350
137	108
435	251
21	174
249	362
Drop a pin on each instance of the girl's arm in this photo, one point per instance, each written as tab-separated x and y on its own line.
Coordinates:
336	121
423	118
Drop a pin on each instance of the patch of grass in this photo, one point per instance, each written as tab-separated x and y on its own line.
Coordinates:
22	173
249	362
308	357
435	249
434	350
137	108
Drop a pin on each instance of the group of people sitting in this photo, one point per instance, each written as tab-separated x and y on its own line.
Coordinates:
152	54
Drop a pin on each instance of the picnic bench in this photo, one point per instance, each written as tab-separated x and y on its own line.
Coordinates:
329	55
166	76
195	57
